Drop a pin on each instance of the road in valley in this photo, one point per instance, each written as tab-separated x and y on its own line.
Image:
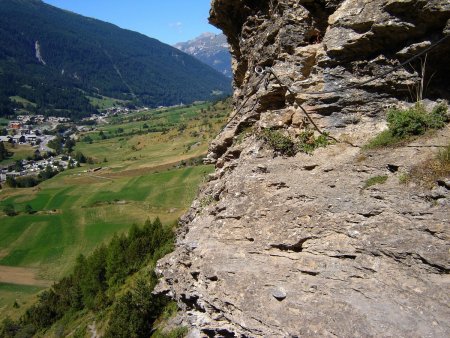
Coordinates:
43	145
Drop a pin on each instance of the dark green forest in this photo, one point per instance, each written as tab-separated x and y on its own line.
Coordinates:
87	57
97	284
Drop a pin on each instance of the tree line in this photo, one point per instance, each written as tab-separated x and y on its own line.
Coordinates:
4	153
95	283
32	180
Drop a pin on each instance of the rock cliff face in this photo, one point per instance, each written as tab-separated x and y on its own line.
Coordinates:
299	246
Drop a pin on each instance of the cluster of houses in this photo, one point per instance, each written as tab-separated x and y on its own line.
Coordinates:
38	119
116	110
113	111
23	122
34	167
29	129
21	130
31	139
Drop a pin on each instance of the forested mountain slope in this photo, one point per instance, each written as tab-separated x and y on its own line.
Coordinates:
57	59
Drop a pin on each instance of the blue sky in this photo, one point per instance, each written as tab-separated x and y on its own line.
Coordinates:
169	21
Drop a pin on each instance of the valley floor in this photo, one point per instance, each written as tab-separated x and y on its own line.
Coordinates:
136	176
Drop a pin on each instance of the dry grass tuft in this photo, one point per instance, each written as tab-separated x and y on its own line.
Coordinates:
432	170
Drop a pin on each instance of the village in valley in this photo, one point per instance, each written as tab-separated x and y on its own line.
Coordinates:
34	131
38	132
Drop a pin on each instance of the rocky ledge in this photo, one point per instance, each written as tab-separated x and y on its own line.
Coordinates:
303	246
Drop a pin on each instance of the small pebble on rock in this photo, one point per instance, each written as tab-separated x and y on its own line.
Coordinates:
279	294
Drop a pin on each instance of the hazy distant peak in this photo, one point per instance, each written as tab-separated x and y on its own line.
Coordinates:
208	35
211	49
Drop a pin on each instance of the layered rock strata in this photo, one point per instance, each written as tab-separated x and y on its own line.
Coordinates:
302	246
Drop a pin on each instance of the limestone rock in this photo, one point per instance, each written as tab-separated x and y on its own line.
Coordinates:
300	246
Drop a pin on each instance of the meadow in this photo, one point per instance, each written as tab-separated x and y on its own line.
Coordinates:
104	101
140	176
19	151
13	297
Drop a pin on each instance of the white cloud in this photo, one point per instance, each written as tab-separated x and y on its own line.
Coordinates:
177	26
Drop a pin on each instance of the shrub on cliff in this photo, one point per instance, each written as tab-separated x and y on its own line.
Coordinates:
409	123
306	142
416	120
278	142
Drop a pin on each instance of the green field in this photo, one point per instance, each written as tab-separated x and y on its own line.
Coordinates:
202	117
144	176
74	218
104	102
23	101
20	151
16	297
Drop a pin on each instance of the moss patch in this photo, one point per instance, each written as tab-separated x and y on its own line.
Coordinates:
375	180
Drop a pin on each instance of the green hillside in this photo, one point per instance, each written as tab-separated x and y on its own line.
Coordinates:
147	174
59	61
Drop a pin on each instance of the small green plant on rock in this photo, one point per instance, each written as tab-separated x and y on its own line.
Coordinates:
375	180
404	177
207	200
403	123
438	117
410	123
279	142
306	142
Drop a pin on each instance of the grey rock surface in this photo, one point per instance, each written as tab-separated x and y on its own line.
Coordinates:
211	49
299	246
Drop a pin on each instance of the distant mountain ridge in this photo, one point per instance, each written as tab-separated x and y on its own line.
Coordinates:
58	60
211	49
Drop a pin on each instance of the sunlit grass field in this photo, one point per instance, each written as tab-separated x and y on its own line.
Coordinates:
20	151
142	176
104	102
73	218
